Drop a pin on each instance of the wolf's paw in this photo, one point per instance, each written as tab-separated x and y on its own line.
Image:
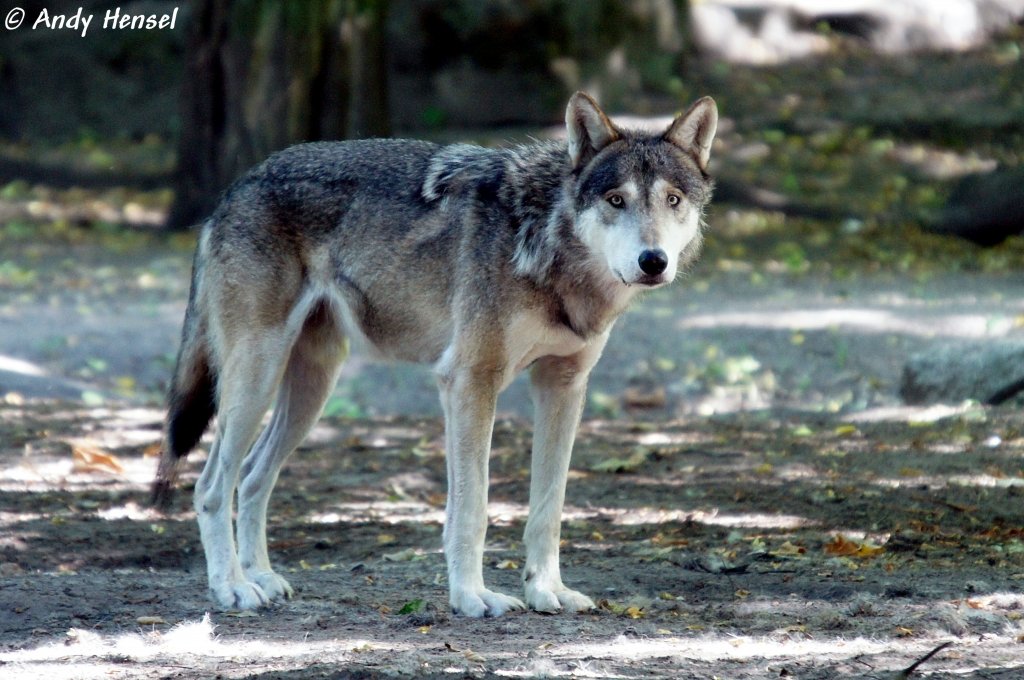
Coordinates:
550	601
239	595
273	586
482	602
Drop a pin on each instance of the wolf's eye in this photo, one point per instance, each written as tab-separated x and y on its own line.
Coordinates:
673	200
615	201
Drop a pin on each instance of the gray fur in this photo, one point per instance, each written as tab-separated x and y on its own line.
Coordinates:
479	261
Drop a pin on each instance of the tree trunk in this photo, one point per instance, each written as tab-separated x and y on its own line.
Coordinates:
368	108
263	74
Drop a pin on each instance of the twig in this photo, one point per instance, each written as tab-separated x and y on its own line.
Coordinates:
909	670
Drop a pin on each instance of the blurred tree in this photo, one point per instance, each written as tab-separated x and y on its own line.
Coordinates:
263	74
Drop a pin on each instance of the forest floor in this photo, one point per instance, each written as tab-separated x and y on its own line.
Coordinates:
749	496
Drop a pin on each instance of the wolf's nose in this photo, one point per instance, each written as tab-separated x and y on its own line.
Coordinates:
653	262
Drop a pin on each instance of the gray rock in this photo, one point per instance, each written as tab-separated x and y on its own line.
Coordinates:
990	372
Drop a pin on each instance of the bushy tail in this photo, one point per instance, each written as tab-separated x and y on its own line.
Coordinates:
191	403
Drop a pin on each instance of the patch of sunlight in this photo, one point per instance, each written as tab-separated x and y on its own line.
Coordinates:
12	365
733	647
864	320
978	480
912	414
85	654
32	473
386	512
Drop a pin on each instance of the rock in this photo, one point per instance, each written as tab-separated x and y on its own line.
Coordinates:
985	208
990	372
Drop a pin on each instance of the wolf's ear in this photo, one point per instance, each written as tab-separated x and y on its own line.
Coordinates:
589	129
694	130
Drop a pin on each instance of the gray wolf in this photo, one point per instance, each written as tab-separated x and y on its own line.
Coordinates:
481	262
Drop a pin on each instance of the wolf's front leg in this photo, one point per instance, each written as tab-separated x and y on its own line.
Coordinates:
559	386
469	396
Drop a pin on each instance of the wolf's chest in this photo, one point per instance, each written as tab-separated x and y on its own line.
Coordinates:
529	337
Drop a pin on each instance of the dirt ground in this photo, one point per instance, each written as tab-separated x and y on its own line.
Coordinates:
783	519
749	497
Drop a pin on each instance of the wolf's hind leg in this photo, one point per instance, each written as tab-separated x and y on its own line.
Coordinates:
313	367
247	381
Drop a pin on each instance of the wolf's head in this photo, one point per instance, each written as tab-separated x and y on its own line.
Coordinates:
639	197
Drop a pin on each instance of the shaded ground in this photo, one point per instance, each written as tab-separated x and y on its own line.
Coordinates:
712	545
748	496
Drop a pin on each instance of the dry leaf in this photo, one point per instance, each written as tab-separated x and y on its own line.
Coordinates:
787	549
506	564
637	398
622	464
840	546
473	656
88	458
406	555
149	620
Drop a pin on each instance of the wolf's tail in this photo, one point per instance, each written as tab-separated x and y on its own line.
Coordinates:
191	401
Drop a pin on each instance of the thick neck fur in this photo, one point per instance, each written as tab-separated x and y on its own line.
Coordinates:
548	251
535	185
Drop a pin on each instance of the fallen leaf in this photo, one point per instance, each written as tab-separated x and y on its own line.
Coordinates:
613	607
468	653
411	607
507	564
149	620
88	458
635	612
407	555
787	549
637	398
840	546
618	465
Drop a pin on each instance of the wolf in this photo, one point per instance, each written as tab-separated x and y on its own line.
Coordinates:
481	262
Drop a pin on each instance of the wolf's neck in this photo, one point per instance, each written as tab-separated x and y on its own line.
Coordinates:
547	250
588	299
